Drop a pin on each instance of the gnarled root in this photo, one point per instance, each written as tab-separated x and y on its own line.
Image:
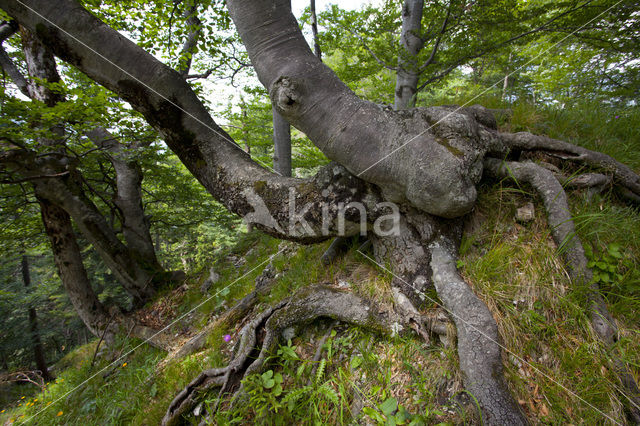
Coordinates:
423	254
259	336
623	175
564	234
478	348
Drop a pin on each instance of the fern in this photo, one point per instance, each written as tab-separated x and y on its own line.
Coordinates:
293	396
328	392
320	371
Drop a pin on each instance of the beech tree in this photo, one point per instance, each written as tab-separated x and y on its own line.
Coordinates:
428	161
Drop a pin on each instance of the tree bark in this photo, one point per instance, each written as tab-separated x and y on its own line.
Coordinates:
190	44
66	254
168	103
411	44
135	225
136	267
281	144
36	342
314	29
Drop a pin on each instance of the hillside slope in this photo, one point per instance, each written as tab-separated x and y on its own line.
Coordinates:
330	373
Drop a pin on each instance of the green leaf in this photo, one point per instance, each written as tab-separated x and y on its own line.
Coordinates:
373	414
389	406
356	362
277	391
300	370
269	383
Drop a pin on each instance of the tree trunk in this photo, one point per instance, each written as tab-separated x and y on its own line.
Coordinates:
411	44
137	280
505	85
36	342
190	44
135	225
137	270
314	30
66	254
281	144
436	176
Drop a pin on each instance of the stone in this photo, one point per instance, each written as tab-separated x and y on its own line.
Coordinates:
526	213
214	277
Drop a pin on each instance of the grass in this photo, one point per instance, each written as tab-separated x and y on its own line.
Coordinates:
516	269
555	365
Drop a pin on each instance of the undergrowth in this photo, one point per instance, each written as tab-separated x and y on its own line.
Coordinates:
555	365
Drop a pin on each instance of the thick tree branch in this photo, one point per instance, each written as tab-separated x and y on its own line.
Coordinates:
169	104
13	72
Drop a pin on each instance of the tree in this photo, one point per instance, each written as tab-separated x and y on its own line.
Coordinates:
433	181
36	341
422	45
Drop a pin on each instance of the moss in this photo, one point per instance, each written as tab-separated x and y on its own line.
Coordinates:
260	185
452	149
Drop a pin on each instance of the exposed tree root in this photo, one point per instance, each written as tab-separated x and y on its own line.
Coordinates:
259	336
564	234
423	254
478	349
230	316
622	174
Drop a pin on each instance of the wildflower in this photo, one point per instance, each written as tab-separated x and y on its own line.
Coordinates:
60	413
22	397
49	403
227	337
2	411
35	400
617	116
124	365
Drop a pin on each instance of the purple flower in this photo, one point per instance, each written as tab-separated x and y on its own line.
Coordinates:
227	337
617	116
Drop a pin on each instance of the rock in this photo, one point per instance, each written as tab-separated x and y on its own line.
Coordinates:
526	213
343	284
265	278
236	260
198	410
214	277
206	285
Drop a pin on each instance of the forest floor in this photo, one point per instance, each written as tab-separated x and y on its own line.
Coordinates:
554	364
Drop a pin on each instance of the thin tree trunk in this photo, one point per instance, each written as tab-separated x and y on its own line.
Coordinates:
314	30
36	342
5	365
407	75
245	139
505	85
245	132
281	144
135	225
137	270
136	278
68	259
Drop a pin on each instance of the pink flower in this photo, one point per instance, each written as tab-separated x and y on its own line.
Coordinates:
227	337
